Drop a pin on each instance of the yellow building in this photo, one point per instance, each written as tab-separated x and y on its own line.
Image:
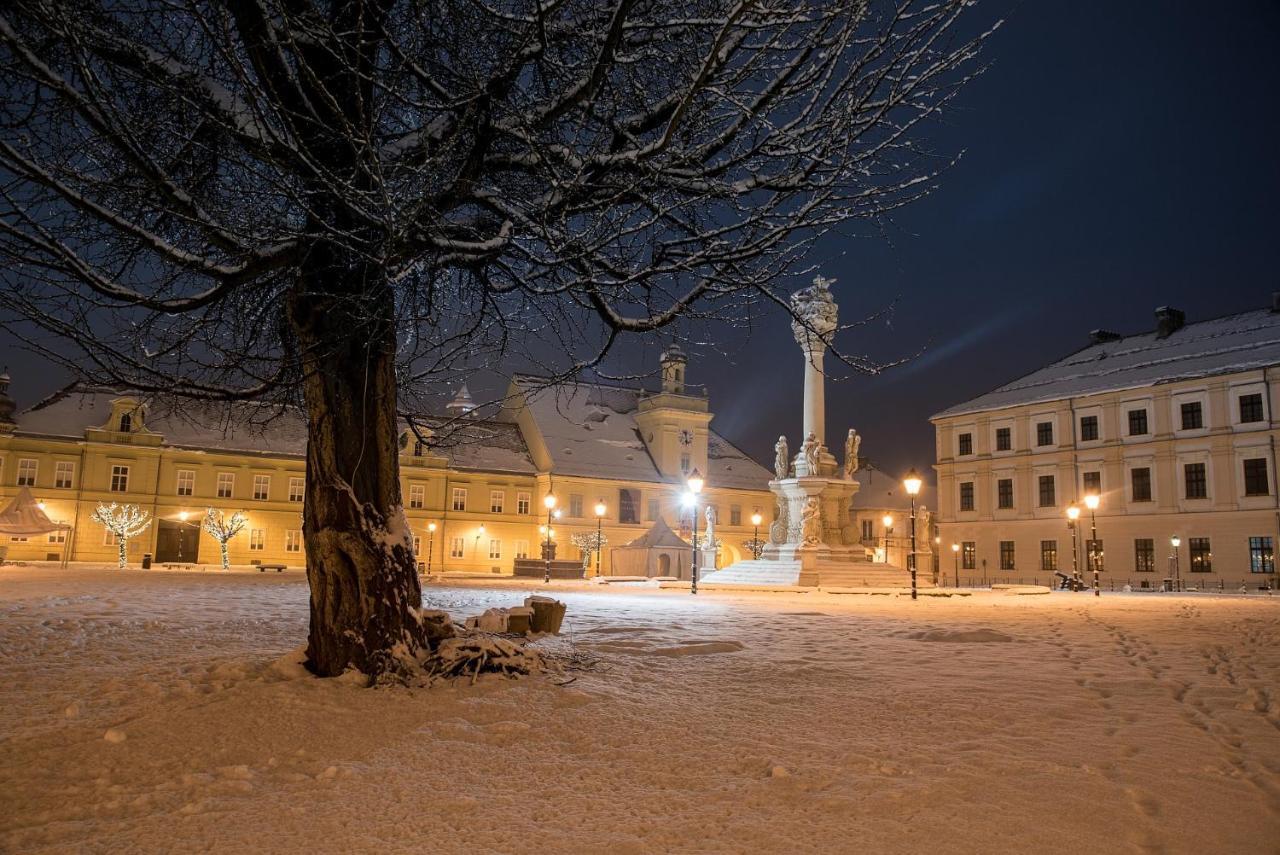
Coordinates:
1173	430
482	485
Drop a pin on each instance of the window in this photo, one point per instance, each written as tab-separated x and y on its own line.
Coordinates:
417	545
1140	478
108	537
965	444
1049	555
1138	422
1192	416
1088	428
257	540
868	530
495	549
418	448
1048	491
17	539
261	487
64	473
1004	493
27	472
685	464
1144	555
969	555
1255	477
456	546
966	495
522	503
628	505
1201	555
126	423
522	549
186	482
1251	408
60	536
1092	482
417	496
1044	433
226	484
293	541
497	501
652	510
1093	555
1004	439
119	479
1197	483
1006	555
459	500
575	505
297	489
735	515
1262	555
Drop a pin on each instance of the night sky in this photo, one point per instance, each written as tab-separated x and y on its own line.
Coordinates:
1117	157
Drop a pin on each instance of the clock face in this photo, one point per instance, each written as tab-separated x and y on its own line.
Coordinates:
686	437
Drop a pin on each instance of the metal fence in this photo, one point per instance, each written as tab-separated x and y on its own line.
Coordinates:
1261	583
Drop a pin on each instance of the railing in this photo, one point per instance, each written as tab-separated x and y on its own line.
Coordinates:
1200	582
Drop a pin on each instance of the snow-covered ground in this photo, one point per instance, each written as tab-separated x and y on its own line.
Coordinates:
155	711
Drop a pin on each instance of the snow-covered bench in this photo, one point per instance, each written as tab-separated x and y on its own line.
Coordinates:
263	568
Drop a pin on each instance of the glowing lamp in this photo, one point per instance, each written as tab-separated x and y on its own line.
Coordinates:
1175	541
888	521
601	509
431	527
548	501
695	482
912	482
756	519
1092	501
955	547
1073	513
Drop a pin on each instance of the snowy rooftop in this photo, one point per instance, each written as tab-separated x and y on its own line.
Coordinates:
1226	345
590	430
878	489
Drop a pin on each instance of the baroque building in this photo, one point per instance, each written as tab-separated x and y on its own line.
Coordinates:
473	491
1173	430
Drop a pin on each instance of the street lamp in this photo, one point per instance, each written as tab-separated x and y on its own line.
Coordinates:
601	508
888	531
1091	502
756	519
955	557
1073	516
431	544
548	502
1176	542
694	483
912	483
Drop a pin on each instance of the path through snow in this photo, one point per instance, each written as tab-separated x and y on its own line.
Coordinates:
153	711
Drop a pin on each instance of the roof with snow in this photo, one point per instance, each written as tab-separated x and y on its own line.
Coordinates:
1226	345
590	430
877	489
660	536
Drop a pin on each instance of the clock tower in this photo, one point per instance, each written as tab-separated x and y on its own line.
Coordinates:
673	423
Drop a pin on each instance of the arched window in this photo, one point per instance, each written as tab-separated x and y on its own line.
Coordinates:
126	423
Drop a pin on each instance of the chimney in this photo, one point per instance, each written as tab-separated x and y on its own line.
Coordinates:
1169	320
1102	336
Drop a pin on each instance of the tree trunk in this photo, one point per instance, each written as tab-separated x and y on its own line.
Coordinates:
366	598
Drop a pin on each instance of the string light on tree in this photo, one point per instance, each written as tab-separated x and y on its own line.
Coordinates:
222	528
124	522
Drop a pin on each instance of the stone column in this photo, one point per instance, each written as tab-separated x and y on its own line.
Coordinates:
815	320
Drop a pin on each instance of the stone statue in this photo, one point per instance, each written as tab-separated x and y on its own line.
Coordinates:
710	536
781	462
813	312
812	450
924	519
811	522
851	445
778	529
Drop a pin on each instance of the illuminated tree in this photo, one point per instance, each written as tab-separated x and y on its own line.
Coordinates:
124	522
222	528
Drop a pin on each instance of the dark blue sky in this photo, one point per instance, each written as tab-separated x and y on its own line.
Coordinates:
1118	156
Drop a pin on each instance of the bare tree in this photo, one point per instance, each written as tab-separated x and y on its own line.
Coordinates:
335	204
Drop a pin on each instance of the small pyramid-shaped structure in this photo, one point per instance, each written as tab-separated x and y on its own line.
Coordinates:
24	518
659	537
462	402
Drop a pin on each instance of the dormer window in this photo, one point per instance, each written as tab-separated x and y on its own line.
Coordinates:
126	423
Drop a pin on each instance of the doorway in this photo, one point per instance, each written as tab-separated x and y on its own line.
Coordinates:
177	542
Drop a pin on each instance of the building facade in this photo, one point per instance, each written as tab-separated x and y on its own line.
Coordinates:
479	482
1173	430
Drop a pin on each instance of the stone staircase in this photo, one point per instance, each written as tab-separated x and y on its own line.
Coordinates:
861	574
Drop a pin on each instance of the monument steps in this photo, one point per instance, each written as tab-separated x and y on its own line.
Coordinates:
861	574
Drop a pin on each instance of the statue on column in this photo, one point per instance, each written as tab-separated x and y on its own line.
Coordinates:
710	514
812	453
781	462
811	522
924	520
851	445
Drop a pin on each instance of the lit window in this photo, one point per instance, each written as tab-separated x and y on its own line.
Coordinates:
1049	555
1201	555
969	555
1144	555
1262	555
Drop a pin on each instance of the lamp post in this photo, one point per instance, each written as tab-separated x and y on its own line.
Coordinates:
888	532
1176	542
1073	515
431	544
601	508
912	483
955	558
694	483
755	538
1091	502
548	502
